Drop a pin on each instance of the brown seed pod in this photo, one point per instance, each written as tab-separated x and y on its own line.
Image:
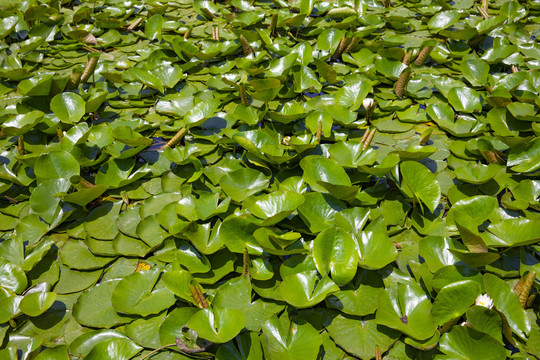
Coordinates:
423	55
89	39
401	83
368	139
527	284
246	48
365	136
246	262
385	3
215	32
341	47
243	94
407	58
89	69
208	14
20	145
352	44
197	294
186	34
273	24
483	12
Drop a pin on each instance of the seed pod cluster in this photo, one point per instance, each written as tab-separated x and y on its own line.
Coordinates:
407	58
243	94
423	55
402	81
246	48
89	69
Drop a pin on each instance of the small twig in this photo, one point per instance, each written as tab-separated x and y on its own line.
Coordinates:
246	262
20	145
156	350
483	12
176	138
186	34
368	139
134	25
11	200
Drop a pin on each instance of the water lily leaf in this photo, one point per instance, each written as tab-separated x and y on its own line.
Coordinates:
201	112
191	259
249	347
141	293
291	340
306	289
420	183
265	89
306	80
94	307
318	210
56	165
217	324
240	184
465	99
512	232
507	302
477	173
319	117
375	249
152	29
43	200
237	234
120	348
361	336
76	255
147	78
416	152
319	168
334	251
350	154
101	221
12	276
453	300
68	107
477	209
58	352
38	85
485	320
22	123
116	173
476	71
463	342
171	328
352	94
525	157
443	19
37	303
273	207
406	308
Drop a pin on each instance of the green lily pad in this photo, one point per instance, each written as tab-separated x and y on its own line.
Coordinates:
306	289
217	324
68	107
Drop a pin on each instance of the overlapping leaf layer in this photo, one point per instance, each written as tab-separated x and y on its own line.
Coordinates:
269	179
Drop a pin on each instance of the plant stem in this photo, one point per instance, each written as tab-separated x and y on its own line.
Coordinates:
156	350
